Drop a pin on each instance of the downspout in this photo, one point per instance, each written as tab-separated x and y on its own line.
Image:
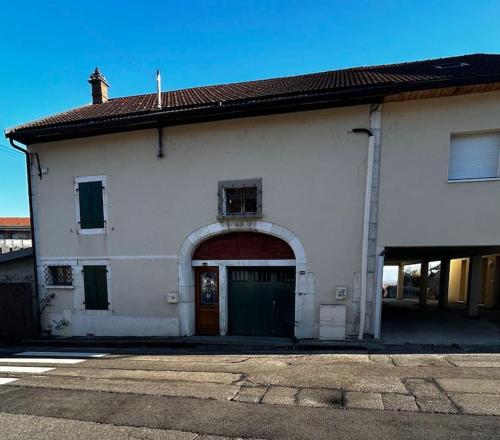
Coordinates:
160	142
32	223
366	225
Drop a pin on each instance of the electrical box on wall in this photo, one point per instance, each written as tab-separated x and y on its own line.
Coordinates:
332	322
172	298
341	293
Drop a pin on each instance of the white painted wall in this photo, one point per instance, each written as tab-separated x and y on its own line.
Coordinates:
313	172
418	207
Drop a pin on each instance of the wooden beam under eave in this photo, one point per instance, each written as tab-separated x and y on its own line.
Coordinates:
443	92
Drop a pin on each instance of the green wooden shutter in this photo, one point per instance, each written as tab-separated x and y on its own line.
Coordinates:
89	287
91	205
97	205
85	199
96	287
101	287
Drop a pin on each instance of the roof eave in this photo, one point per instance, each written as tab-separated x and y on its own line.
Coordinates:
230	110
209	113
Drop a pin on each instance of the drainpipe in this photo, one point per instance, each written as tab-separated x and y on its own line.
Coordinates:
160	142
366	224
32	223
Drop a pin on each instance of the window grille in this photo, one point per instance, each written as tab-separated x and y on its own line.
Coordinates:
240	199
58	276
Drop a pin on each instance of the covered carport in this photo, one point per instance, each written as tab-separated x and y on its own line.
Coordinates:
442	295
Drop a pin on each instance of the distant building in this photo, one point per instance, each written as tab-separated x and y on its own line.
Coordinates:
17	266
15	234
18	304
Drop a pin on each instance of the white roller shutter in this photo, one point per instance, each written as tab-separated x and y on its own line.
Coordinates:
474	156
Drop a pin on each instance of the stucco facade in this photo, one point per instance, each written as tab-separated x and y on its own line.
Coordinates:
418	206
313	173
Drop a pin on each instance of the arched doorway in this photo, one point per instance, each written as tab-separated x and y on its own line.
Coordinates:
198	243
260	295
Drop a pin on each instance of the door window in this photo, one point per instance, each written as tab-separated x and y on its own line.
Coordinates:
208	288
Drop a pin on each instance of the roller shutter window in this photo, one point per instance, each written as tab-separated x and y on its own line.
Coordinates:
474	156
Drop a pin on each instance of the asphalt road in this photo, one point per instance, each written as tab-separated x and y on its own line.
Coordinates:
169	394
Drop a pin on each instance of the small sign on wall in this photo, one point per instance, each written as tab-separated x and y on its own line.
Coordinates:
172	297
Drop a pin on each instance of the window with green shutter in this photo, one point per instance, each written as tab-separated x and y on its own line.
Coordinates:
96	287
91	205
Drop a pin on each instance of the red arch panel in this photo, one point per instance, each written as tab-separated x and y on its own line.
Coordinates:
244	246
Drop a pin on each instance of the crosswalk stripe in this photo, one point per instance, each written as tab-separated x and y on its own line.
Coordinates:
39	361
4	380
61	354
33	370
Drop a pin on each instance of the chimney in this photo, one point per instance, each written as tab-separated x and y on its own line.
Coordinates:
99	87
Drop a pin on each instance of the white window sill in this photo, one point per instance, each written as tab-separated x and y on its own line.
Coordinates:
248	216
60	287
488	179
97	231
94	312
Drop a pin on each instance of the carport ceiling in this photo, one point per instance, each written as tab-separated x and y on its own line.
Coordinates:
396	255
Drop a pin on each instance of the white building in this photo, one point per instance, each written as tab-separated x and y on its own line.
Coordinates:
268	207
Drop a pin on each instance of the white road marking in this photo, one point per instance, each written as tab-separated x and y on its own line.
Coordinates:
32	370
4	380
39	361
61	354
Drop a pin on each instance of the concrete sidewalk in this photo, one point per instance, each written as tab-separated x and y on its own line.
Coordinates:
462	383
246	343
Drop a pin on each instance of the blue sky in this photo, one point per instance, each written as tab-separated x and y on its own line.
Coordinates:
49	48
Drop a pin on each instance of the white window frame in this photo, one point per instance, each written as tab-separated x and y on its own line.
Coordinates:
79	297
83	179
479	179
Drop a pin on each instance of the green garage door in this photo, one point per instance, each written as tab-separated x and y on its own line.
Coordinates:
261	301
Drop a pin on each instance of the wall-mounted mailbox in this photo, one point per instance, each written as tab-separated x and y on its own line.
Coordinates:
341	293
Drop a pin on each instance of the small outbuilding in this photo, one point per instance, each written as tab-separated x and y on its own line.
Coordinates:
18	309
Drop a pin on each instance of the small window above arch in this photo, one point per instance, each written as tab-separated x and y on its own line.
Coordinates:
240	199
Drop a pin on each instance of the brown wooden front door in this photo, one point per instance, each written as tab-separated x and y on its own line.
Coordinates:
207	300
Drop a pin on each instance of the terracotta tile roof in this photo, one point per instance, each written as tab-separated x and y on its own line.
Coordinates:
14	221
365	81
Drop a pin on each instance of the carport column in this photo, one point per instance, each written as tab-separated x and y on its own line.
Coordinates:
401	281
444	282
475	286
424	283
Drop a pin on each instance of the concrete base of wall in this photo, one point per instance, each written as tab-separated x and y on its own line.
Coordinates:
111	325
